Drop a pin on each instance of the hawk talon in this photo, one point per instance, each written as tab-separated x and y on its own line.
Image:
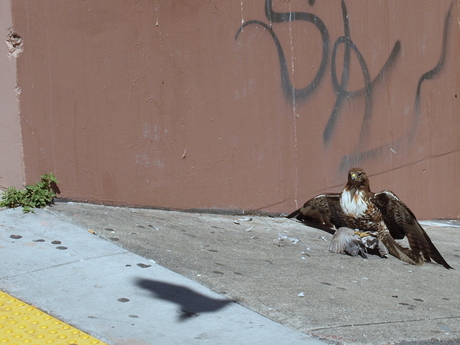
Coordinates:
361	233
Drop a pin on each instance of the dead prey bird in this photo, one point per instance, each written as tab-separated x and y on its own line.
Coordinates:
355	242
382	213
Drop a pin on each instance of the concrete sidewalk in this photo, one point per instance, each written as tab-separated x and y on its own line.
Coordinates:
118	296
126	292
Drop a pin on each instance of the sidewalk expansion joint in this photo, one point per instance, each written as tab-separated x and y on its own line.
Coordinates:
60	265
385	323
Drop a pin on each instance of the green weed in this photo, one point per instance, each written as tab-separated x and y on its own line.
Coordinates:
38	195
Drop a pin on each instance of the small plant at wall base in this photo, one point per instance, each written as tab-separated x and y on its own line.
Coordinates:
38	195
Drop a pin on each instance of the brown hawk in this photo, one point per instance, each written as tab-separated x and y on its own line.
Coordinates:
382	215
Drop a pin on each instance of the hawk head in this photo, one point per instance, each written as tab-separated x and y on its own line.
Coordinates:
357	179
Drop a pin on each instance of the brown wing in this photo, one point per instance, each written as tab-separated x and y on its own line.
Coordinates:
401	222
322	211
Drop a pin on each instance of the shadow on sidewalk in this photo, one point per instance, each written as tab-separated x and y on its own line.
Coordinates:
191	303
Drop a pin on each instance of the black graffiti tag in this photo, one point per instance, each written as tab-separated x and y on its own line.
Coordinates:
341	87
276	17
405	140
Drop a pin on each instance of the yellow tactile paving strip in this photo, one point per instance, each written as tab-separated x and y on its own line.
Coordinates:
21	323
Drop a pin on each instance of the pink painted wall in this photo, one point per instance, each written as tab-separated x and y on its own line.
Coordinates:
158	103
11	162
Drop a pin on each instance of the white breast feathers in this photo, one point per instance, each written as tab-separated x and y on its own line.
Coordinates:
353	203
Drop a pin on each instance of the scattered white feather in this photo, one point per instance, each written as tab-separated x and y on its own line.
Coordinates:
283	240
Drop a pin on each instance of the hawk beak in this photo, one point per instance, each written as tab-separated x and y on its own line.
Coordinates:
353	176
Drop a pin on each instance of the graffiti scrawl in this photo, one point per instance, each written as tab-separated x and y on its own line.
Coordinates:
342	92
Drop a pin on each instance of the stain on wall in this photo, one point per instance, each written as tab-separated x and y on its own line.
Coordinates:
248	105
